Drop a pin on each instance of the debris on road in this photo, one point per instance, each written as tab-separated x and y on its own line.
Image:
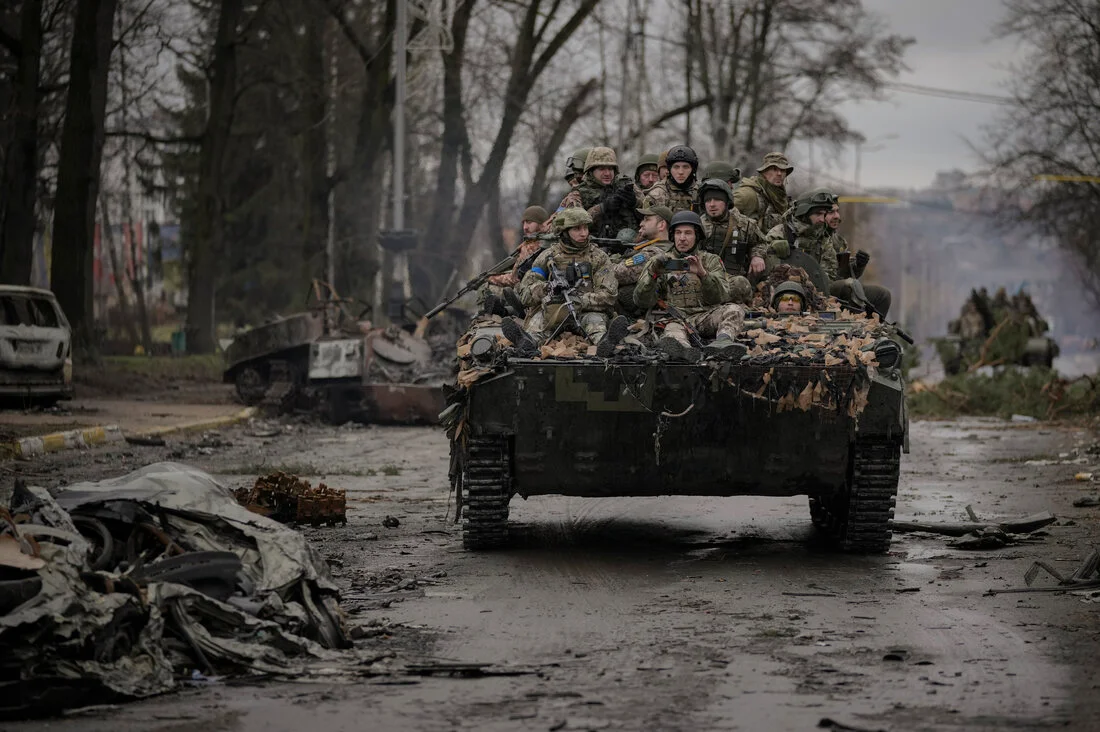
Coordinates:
391	522
1083	477
289	499
112	590
989	537
1085	577
1025	525
1087	502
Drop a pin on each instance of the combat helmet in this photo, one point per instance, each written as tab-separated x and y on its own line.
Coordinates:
716	184
601	156
720	169
811	201
646	161
682	154
571	217
687	217
792	287
574	164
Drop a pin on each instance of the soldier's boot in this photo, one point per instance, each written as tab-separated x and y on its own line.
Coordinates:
618	329
725	347
513	302
492	305
677	351
526	346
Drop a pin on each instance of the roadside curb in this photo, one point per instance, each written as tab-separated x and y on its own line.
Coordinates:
208	424
69	440
28	447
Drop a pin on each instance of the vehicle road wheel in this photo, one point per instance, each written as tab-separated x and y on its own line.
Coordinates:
252	384
859	518
487	483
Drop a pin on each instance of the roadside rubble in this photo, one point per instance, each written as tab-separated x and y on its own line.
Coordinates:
290	499
979	534
1084	581
116	589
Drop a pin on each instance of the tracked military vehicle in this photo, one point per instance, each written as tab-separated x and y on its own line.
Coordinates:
816	407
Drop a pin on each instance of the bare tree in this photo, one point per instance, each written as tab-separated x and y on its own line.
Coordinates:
1045	150
78	172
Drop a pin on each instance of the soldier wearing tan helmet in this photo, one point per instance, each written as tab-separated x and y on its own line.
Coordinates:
763	197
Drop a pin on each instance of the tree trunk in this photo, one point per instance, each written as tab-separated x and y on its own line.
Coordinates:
78	168
137	284
118	272
572	111
210	226
455	134
17	196
315	229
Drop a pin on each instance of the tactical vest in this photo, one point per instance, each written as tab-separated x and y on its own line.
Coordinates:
684	290
664	193
735	254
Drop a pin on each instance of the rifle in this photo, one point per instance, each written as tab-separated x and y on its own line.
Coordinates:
502	267
559	285
693	335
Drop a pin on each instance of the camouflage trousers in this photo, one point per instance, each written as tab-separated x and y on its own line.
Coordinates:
721	320
593	325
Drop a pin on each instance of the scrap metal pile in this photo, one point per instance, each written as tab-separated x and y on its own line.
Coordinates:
290	499
120	588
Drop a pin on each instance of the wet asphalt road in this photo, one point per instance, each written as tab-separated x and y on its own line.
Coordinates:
676	613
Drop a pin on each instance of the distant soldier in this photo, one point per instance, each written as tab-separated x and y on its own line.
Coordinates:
803	227
763	197
645	173
574	171
586	271
679	190
654	233
662	165
722	170
534	219
852	265
732	236
694	282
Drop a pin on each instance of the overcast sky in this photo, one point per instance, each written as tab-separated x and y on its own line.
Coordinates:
954	49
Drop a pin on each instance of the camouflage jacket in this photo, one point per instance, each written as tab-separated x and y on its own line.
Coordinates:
591	193
689	293
628	270
666	193
815	240
596	293
510	279
745	240
761	201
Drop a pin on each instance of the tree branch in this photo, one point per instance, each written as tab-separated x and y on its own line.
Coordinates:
155	139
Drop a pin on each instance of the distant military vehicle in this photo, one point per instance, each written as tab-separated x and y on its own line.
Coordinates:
816	407
994	332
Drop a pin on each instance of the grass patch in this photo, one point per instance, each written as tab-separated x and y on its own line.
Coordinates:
391	470
189	368
1033	392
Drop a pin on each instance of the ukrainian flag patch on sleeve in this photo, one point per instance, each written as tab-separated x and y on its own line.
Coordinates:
639	258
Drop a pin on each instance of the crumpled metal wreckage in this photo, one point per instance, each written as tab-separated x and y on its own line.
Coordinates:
185	580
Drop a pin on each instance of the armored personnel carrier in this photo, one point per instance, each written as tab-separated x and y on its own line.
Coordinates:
816	407
995	331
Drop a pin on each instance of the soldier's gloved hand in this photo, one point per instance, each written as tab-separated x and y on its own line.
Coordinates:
780	248
626	197
862	258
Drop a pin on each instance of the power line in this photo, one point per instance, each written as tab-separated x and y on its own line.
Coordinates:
964	96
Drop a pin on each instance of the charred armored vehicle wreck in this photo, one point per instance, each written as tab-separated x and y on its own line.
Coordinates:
815	406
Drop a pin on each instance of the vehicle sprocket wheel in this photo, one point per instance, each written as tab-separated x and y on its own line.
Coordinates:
252	385
486	482
858	519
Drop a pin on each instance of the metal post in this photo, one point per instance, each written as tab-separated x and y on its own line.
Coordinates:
399	287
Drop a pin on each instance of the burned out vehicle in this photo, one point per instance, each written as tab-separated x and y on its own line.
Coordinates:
35	345
816	407
341	364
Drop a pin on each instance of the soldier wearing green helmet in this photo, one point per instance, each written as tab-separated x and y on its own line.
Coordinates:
722	170
731	235
645	173
593	291
803	227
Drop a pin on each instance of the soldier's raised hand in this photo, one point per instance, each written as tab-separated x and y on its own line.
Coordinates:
695	267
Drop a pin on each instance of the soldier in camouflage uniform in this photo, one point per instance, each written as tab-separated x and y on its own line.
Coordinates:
534	219
662	165
763	197
593	292
645	174
877	295
732	236
574	171
699	290
679	191
722	170
803	227
653	231
609	198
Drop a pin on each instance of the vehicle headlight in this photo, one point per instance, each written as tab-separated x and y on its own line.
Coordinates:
887	353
